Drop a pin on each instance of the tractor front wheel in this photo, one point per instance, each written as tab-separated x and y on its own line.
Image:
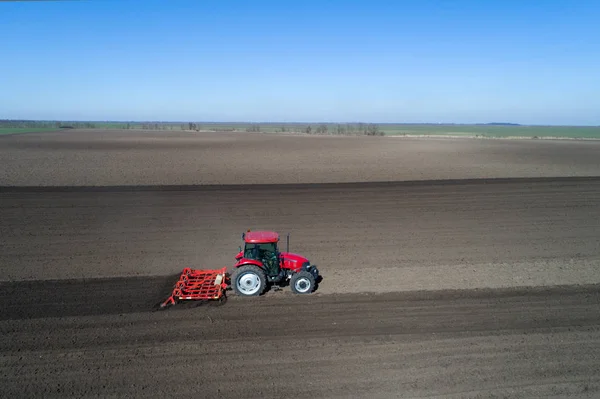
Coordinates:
302	282
249	281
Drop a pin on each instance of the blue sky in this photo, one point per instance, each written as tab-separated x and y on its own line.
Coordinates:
532	62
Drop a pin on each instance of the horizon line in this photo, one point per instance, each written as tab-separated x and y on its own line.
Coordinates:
289	123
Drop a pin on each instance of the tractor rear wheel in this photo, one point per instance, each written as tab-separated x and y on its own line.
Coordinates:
249	281
302	282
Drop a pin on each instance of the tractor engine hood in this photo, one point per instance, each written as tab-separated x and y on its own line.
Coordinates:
291	257
296	263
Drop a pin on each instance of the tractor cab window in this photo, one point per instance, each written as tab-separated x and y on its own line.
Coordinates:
260	251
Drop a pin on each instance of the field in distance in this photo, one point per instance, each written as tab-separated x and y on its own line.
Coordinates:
501	131
15	130
398	129
375	129
157	157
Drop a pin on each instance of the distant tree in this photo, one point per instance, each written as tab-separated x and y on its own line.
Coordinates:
321	129
308	129
373	130
360	128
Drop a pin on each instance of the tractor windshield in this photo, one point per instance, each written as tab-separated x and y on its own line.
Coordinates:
265	253
260	251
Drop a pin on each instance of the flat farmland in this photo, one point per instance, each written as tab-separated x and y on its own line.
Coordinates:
416	213
497	131
114	157
455	268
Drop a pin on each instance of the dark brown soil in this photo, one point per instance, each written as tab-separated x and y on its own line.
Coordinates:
465	344
374	237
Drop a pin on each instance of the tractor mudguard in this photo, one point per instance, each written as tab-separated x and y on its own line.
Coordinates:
246	261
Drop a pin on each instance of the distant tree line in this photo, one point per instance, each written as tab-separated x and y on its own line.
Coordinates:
253	128
345	129
45	124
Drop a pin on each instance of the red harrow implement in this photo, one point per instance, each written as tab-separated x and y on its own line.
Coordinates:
199	285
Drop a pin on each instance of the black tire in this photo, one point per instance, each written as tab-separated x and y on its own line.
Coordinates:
249	280
302	282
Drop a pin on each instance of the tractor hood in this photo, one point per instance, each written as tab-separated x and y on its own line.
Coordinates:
294	262
291	257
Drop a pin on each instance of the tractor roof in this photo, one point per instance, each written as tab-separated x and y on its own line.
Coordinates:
258	237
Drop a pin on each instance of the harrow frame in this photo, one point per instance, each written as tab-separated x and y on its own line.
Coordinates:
198	284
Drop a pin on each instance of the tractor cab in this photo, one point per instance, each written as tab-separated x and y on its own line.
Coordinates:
261	246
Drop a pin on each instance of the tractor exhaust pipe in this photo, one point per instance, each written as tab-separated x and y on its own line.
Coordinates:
287	247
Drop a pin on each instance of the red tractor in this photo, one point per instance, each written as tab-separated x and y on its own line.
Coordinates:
260	263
